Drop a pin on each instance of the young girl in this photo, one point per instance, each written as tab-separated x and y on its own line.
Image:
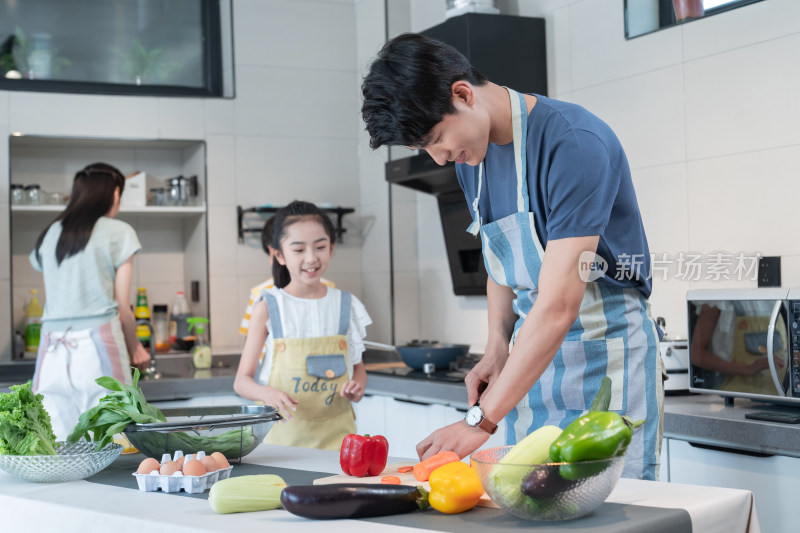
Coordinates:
312	368
88	328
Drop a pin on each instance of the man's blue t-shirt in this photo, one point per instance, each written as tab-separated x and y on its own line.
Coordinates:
579	184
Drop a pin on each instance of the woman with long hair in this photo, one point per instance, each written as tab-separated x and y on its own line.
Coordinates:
88	328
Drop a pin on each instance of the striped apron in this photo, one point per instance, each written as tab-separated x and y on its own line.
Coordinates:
615	334
67	365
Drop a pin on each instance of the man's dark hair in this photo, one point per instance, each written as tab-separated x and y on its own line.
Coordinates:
407	89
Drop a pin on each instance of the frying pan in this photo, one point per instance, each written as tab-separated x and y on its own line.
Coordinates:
416	354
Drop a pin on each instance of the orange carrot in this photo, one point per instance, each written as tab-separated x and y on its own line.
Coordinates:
405	469
423	469
390	480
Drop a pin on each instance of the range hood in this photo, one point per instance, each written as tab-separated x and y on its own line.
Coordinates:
422	173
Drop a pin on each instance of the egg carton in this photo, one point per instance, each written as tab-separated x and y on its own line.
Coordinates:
178	482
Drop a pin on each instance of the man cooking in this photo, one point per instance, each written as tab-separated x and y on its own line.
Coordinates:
553	203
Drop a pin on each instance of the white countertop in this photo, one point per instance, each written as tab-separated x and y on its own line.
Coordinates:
82	506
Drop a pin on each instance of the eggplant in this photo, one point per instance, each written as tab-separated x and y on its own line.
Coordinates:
545	483
352	500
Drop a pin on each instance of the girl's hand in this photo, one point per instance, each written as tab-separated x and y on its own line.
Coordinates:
353	391
281	401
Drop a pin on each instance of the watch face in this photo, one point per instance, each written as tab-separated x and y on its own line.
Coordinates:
474	415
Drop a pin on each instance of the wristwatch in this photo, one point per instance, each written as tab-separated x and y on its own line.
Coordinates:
475	418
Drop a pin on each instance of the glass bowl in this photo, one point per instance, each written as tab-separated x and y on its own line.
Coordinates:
552	491
73	462
233	431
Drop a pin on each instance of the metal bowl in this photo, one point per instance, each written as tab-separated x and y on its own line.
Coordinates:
73	462
552	491
234	431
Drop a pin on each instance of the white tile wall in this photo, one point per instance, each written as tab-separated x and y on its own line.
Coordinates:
222	240
5	243
599	52
745	26
181	118
227	309
82	115
296	104
375	297
295	34
744	99
3	108
278	170
219	116
221	167
745	202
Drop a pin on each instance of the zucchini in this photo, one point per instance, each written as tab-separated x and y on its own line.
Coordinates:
352	500
246	493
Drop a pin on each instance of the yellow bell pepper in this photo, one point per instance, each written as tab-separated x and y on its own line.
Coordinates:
455	488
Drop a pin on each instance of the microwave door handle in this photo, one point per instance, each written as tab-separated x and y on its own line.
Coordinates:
770	352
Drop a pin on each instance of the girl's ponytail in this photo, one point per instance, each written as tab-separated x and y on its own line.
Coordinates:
285	217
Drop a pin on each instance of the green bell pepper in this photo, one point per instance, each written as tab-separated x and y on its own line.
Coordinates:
592	436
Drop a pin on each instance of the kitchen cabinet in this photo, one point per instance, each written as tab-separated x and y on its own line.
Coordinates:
771	478
174	254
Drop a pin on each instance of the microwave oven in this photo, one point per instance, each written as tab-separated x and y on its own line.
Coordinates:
745	343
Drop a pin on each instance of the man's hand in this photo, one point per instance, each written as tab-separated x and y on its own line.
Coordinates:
458	437
353	390
483	374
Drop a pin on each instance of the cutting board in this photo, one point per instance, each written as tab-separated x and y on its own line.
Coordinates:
391	470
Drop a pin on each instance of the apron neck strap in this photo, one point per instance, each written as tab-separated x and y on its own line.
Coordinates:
519	110
274	314
344	313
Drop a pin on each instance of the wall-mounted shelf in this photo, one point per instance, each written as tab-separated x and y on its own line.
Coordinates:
150	209
340	212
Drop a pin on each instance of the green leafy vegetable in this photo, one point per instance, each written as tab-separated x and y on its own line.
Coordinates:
124	405
25	427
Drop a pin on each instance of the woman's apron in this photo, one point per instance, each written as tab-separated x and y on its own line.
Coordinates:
749	345
312	371
67	366
615	334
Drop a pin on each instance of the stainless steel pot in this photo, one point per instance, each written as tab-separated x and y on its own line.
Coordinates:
417	354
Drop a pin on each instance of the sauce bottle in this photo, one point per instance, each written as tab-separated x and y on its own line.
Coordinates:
142	312
201	354
33	323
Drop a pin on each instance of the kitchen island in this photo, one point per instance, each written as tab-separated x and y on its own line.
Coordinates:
82	506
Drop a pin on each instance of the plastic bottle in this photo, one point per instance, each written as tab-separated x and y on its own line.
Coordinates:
161	328
201	355
142	312
33	323
178	327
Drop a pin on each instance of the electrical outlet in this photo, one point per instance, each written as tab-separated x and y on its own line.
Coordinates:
769	272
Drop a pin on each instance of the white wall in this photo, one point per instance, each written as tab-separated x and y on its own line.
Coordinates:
707	113
291	132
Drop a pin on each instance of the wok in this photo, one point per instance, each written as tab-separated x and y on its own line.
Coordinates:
416	354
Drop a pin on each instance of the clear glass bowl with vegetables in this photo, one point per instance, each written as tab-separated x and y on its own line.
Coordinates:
547	491
234	431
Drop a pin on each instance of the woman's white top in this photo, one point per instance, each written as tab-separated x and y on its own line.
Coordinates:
304	318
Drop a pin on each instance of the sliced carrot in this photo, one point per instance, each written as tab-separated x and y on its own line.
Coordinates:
390	480
405	469
423	469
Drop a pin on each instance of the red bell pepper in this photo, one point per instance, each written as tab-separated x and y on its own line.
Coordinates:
362	455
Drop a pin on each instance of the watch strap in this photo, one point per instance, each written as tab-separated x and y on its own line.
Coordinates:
487	426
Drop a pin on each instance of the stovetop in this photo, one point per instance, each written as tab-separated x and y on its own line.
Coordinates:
455	374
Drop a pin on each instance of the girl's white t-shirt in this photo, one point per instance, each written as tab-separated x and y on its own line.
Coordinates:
304	318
